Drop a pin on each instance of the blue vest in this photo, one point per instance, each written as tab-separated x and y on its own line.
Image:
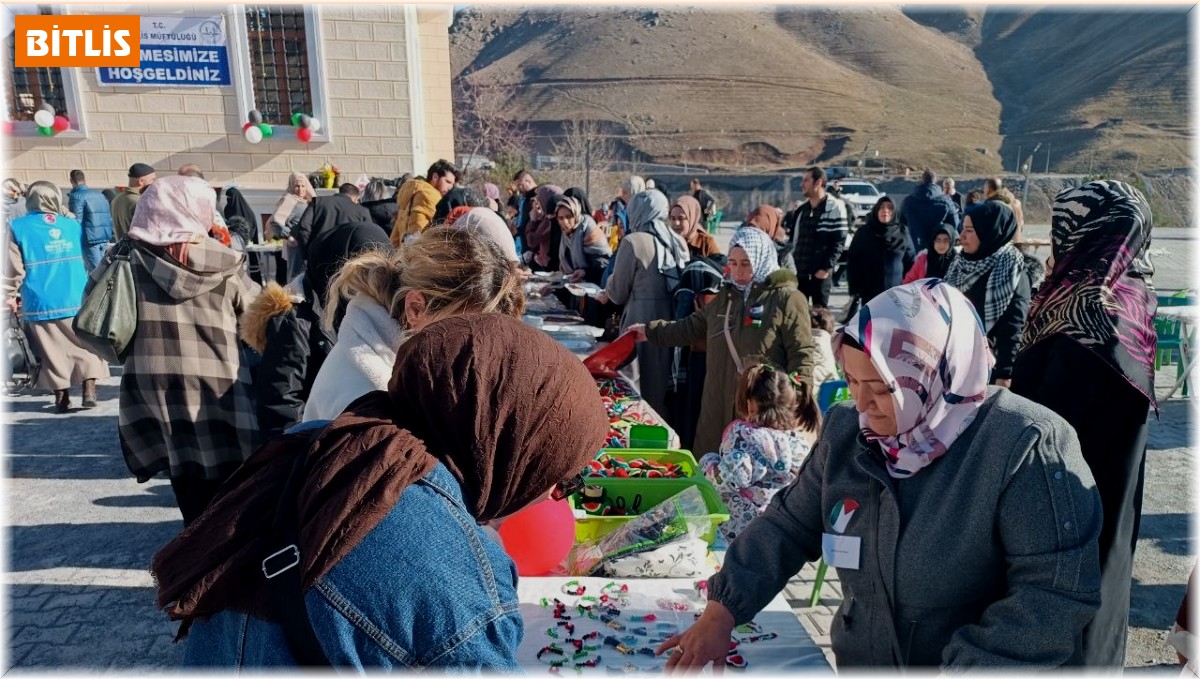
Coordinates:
52	251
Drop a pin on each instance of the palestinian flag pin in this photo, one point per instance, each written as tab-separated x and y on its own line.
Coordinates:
839	518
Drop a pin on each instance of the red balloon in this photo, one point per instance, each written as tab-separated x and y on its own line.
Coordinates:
61	124
8	128
304	134
247	126
539	536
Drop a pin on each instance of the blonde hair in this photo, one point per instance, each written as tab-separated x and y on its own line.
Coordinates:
455	270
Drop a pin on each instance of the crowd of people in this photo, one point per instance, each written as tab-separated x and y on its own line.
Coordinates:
371	386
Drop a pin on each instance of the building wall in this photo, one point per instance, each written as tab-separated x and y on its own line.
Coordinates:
364	53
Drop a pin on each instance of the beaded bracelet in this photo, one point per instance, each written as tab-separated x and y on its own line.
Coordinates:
573	588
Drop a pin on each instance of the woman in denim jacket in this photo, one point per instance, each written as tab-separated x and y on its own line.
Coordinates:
483	417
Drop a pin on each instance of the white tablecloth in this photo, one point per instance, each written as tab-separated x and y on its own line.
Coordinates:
793	650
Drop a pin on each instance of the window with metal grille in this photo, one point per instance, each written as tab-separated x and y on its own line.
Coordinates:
279	62
29	87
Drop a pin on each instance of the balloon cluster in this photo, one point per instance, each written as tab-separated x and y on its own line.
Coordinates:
305	125
48	123
256	130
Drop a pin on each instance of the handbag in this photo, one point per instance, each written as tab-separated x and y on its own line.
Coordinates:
108	317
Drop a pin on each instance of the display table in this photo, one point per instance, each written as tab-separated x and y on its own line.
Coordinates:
273	246
674	603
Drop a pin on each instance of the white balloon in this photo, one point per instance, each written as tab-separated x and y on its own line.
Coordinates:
44	118
253	134
314	125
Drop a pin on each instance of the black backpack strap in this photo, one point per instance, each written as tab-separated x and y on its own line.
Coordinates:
281	570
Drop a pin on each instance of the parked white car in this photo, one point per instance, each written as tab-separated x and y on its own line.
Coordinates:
861	195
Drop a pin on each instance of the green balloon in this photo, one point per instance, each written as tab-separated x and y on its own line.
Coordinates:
46	131
296	118
267	130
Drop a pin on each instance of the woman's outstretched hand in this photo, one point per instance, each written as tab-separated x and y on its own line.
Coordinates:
703	643
638	330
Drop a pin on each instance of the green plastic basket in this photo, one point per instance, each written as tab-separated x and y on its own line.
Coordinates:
653	492
680	457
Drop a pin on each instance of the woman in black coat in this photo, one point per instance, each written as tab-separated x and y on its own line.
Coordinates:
879	254
991	272
1088	355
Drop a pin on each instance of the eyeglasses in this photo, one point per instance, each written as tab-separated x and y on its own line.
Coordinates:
564	489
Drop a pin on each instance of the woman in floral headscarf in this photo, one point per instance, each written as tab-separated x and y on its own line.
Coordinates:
1088	355
961	518
758	312
299	194
186	408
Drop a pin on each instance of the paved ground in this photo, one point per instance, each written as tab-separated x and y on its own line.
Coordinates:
82	532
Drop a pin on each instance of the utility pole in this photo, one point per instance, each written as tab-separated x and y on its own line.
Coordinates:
1027	167
1018	167
862	159
1091	157
587	164
1048	157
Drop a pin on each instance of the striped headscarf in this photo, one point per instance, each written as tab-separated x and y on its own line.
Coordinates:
925	340
1096	294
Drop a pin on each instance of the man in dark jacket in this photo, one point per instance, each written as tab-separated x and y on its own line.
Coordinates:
91	209
527	190
326	212
818	237
925	208
331	248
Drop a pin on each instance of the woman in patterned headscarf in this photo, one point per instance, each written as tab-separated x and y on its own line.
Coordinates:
957	515
1088	355
991	273
758	313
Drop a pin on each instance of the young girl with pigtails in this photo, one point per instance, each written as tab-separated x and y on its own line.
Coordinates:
762	450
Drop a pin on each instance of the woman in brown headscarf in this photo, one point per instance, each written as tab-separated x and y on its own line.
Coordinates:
684	219
769	220
483	417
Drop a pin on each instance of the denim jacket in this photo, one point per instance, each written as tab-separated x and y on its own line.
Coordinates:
425	588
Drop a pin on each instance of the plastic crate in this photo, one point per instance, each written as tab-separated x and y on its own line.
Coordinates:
680	457
653	492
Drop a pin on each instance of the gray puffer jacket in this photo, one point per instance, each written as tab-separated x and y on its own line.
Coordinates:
987	558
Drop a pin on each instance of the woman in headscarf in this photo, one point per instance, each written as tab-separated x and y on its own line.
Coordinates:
991	273
962	519
540	243
380	203
14	200
1087	353
648	264
483	416
758	313
299	194
583	254
935	260
700	284
769	220
185	394
44	281
459	196
879	254
490	226
492	192
685	218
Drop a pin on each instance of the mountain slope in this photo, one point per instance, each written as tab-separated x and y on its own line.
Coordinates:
787	86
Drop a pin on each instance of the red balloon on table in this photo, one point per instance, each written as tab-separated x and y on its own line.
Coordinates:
539	536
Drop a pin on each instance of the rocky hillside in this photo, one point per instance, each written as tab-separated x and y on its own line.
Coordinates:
780	87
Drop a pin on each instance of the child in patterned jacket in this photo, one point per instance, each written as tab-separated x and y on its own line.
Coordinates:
762	450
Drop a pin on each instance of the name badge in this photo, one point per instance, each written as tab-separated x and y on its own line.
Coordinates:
841	551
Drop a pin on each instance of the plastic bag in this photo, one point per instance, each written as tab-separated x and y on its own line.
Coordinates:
605	361
669	530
